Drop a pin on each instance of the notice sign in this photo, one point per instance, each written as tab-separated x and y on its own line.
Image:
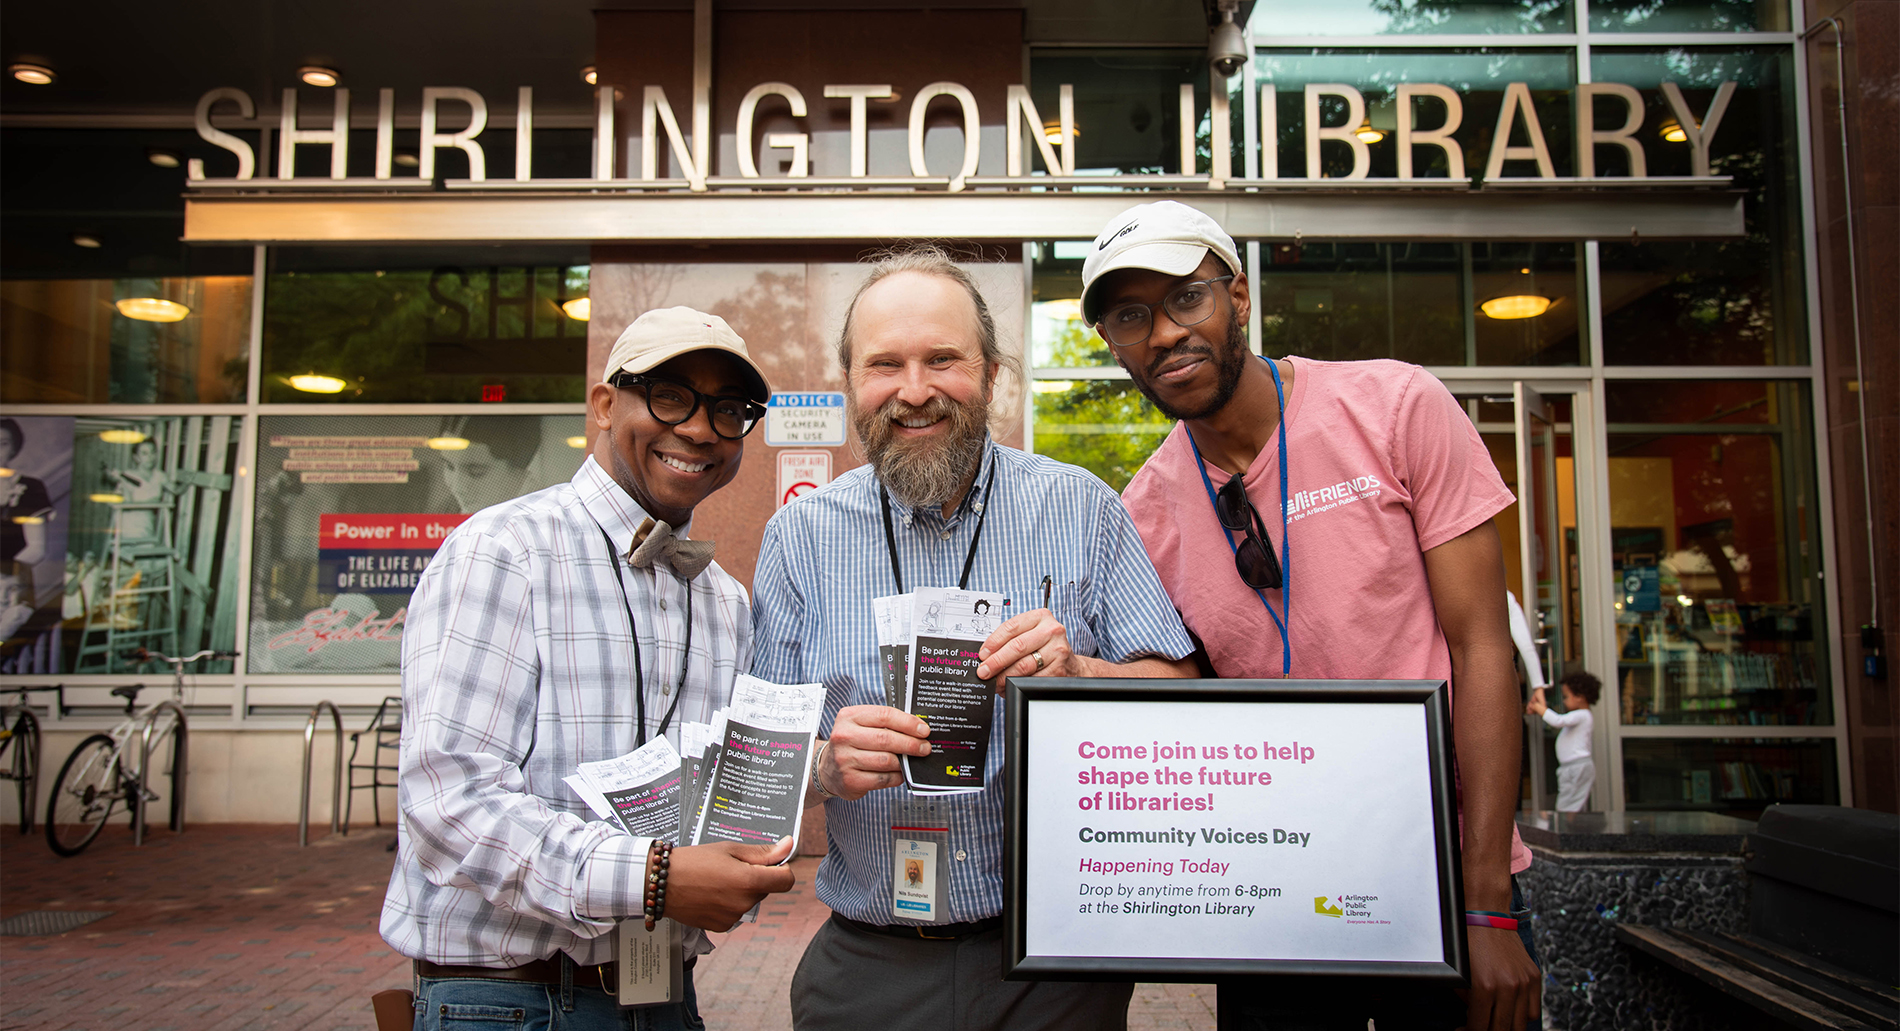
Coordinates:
1170	833
378	553
805	420
800	473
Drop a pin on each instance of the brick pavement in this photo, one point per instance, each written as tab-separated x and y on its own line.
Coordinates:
232	927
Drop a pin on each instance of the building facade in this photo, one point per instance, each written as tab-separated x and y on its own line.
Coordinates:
264	340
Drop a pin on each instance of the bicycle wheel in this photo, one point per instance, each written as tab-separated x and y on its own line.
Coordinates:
26	766
83	796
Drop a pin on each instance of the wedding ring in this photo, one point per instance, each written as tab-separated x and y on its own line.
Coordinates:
1038	657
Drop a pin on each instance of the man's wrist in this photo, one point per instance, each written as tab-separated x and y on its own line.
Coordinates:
818	774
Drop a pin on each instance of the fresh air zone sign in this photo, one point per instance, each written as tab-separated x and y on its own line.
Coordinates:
805	420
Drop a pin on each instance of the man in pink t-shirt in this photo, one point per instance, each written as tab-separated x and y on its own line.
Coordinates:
1387	565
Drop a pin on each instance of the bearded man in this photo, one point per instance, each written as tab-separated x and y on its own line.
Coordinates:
940	505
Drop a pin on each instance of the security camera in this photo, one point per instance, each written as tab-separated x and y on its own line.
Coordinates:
1226	47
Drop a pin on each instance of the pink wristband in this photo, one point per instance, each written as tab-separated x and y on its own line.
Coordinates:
1502	923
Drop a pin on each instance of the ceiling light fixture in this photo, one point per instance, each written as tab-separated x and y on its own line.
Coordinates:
590	76
1671	130
32	74
1367	134
28	520
579	309
151	309
577	442
6	473
86	240
122	436
1516	306
163	158
406	160
317	75
1053	133
312	383
449	443
107	499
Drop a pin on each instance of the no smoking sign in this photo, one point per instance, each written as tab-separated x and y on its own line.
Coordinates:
800	473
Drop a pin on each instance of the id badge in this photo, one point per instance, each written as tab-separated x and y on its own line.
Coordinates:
920	864
652	969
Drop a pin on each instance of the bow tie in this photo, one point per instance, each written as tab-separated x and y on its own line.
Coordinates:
654	542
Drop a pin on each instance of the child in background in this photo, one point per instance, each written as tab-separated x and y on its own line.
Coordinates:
1576	771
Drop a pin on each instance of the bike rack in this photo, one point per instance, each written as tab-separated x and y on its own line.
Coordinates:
336	779
179	764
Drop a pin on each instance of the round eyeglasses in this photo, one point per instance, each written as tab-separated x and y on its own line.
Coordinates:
674	403
1189	304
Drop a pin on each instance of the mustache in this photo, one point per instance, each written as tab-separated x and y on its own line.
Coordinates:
936	408
1154	367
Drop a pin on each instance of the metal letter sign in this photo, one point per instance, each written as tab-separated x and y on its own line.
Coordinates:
805	420
800	473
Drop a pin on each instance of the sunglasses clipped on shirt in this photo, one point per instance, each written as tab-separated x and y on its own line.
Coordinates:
1253	559
674	403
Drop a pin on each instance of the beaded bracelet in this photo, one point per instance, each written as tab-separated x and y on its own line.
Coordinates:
1490	918
653	903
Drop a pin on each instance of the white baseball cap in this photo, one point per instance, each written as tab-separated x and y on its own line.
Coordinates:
666	333
1166	237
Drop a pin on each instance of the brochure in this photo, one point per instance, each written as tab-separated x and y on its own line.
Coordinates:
755	788
948	626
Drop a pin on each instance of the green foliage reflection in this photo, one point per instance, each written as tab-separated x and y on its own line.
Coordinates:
1102	425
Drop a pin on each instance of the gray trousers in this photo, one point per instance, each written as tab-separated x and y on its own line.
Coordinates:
1575	779
850	980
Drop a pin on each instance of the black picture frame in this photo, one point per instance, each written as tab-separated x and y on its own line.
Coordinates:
1430	695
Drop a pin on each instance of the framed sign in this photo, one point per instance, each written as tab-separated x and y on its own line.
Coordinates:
1178	830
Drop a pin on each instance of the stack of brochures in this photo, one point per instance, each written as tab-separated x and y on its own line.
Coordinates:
928	643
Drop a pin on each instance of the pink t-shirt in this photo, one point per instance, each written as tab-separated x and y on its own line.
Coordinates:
1382	466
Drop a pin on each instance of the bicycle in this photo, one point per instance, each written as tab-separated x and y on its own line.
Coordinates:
20	752
97	776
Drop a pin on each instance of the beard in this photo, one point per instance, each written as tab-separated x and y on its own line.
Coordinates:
929	472
1229	361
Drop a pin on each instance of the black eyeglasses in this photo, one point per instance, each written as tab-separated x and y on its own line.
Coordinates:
1253	560
1189	304
674	403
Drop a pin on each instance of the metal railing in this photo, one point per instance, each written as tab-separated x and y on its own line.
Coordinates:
336	777
179	768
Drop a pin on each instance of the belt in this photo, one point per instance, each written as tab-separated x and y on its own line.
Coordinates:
928	932
604	976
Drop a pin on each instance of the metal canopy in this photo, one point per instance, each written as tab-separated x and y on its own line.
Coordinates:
778	217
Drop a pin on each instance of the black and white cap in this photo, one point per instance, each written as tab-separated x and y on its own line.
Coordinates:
1166	237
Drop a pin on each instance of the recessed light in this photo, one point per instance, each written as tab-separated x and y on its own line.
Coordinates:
152	309
578	309
33	74
312	383
406	160
107	499
317	75
449	443
589	76
86	240
1517	306
163	158
1671	130
577	442
122	436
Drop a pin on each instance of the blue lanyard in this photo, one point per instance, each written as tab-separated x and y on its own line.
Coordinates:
1285	616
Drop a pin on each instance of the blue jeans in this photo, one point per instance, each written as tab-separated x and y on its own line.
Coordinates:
483	1004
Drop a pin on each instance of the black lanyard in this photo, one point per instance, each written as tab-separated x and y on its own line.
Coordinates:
639	671
890	535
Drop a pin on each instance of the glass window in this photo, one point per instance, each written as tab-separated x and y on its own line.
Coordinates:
1720	302
1128	108
1058	338
1427	303
420	324
1408	17
350	509
1735	777
1479	76
169	340
119	534
1102	425
1715	557
1688	16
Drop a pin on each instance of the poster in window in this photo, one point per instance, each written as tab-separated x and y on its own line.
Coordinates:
150	542
350	509
36	466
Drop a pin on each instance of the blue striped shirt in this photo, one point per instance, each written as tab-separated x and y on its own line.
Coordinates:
824	558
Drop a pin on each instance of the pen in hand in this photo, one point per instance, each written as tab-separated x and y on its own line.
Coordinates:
1048	584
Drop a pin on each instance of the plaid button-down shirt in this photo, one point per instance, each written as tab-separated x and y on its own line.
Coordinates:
517	666
824	559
